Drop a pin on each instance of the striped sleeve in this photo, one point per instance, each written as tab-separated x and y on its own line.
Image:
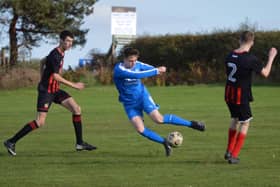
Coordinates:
145	66
122	72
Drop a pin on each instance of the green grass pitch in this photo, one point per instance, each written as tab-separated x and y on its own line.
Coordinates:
47	157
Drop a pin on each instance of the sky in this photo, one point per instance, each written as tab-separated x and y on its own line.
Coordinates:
161	17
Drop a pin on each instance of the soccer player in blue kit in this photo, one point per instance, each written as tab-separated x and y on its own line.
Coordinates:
135	97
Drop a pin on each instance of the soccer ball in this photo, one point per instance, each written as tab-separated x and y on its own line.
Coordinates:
175	139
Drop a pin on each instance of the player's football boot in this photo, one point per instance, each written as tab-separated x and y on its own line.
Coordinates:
227	155
11	147
167	147
198	125
85	146
233	160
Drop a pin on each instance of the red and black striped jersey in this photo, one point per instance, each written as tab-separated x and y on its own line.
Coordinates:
239	68
54	63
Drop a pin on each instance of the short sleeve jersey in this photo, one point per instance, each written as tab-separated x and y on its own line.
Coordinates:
54	63
239	68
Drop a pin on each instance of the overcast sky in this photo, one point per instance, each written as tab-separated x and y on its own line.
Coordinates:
160	17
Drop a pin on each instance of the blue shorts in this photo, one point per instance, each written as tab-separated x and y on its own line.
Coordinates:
147	105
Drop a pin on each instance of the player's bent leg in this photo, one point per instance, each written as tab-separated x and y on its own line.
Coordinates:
71	105
240	139
234	123
10	144
138	124
156	116
244	127
151	135
232	136
239	142
176	120
41	118
243	114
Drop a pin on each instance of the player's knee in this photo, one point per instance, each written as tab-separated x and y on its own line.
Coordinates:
234	123
245	125
140	129
158	119
40	122
77	110
235	120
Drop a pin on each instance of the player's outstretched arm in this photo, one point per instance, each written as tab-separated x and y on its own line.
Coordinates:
127	73
271	55
78	85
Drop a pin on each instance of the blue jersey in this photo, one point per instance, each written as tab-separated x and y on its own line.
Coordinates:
128	81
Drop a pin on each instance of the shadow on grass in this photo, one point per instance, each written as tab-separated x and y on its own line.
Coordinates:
4	154
99	157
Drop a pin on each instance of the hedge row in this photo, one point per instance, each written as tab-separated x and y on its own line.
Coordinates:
200	58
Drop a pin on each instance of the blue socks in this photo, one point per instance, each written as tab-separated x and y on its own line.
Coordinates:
167	119
152	135
173	119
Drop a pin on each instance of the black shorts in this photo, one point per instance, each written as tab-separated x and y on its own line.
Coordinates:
242	112
45	99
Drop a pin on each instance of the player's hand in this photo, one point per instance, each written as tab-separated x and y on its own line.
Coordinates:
272	53
79	85
161	69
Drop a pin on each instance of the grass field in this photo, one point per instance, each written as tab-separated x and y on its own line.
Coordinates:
46	157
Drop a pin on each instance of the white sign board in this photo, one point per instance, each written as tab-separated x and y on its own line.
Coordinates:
123	21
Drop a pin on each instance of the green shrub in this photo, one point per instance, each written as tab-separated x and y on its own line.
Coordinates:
192	59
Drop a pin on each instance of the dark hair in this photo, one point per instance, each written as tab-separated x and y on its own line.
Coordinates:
65	33
247	36
129	51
